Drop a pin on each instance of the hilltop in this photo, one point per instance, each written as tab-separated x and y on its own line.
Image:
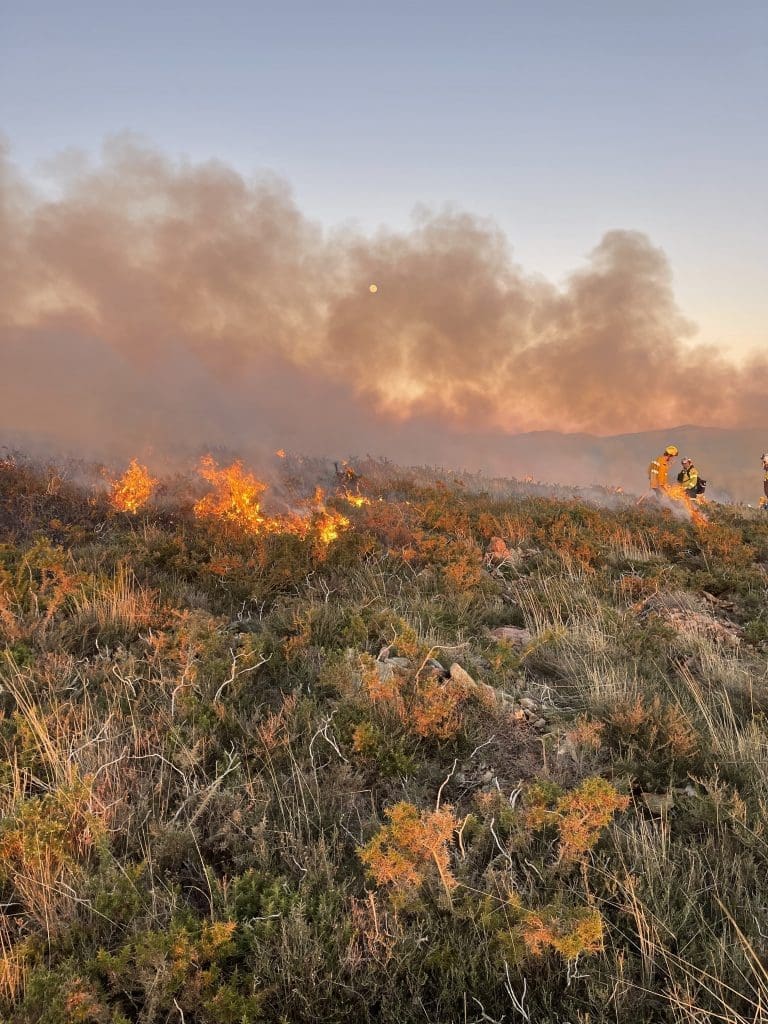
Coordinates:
415	749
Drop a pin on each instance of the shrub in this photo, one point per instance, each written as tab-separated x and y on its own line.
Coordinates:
404	853
425	704
579	816
42	845
570	931
656	739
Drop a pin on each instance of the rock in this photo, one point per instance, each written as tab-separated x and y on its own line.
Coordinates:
540	723
487	777
402	663
659	804
433	665
529	704
385	671
512	635
459	675
692	622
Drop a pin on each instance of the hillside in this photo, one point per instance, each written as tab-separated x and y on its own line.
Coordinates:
413	751
728	459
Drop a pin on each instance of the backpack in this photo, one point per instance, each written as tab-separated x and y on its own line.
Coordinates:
701	485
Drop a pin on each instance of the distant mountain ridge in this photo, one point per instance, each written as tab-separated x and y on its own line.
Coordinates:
728	459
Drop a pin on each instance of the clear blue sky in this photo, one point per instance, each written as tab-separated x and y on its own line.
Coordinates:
559	119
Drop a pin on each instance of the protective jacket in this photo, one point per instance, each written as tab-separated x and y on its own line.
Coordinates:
657	473
689	478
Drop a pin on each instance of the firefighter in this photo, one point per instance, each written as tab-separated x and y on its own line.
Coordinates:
658	470
764	499
688	477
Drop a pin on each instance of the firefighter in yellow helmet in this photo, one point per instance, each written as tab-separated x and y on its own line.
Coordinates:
688	478
658	471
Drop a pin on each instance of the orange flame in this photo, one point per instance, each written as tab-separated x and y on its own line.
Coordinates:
678	493
236	498
358	500
280	453
329	524
133	490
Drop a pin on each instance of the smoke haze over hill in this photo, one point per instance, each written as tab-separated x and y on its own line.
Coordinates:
172	305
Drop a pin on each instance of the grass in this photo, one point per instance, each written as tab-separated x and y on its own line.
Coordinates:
251	778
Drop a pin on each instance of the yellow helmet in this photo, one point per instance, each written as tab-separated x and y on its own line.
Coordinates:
671	449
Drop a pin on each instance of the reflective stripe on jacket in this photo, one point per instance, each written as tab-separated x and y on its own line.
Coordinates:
657	472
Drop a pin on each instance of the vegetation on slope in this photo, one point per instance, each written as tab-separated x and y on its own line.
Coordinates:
479	759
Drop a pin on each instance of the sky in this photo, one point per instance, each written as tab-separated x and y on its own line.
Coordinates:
559	120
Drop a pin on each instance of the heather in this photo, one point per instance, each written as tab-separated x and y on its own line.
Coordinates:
408	748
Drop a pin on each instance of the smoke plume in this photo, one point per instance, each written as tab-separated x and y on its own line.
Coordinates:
146	301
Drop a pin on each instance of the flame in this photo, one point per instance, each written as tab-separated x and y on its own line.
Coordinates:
329	523
358	500
280	453
330	526
678	493
236	498
133	489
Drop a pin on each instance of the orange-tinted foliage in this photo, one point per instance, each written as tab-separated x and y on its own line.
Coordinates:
579	816
655	725
403	853
425	704
571	932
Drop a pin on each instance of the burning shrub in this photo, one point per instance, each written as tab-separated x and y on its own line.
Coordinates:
236	498
133	490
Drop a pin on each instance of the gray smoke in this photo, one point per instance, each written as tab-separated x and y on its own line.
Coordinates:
171	305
